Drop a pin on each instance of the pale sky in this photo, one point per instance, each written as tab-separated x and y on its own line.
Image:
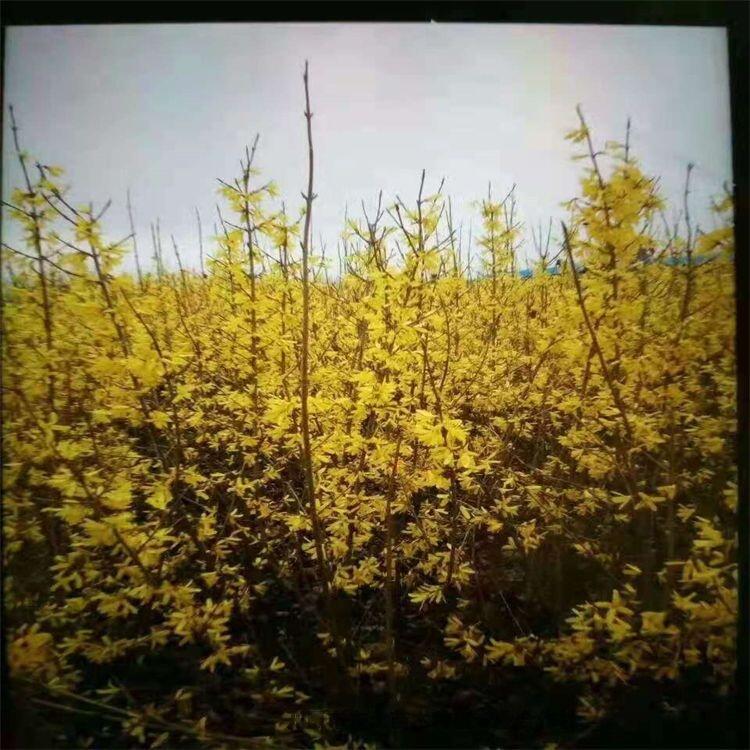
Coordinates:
166	109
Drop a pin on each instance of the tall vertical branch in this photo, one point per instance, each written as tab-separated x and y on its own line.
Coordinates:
606	372
627	142
200	242
249	229
689	241
135	243
305	354
36	235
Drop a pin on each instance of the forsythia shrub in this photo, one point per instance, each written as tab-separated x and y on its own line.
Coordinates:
511	475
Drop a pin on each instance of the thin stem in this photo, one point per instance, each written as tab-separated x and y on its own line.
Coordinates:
305	353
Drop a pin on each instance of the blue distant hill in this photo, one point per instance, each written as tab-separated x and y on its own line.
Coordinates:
672	260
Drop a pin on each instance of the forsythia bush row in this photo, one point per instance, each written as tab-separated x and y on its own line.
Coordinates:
509	476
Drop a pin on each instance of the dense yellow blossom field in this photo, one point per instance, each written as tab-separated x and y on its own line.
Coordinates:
259	503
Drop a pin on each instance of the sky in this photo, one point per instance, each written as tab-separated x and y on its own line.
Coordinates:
165	110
